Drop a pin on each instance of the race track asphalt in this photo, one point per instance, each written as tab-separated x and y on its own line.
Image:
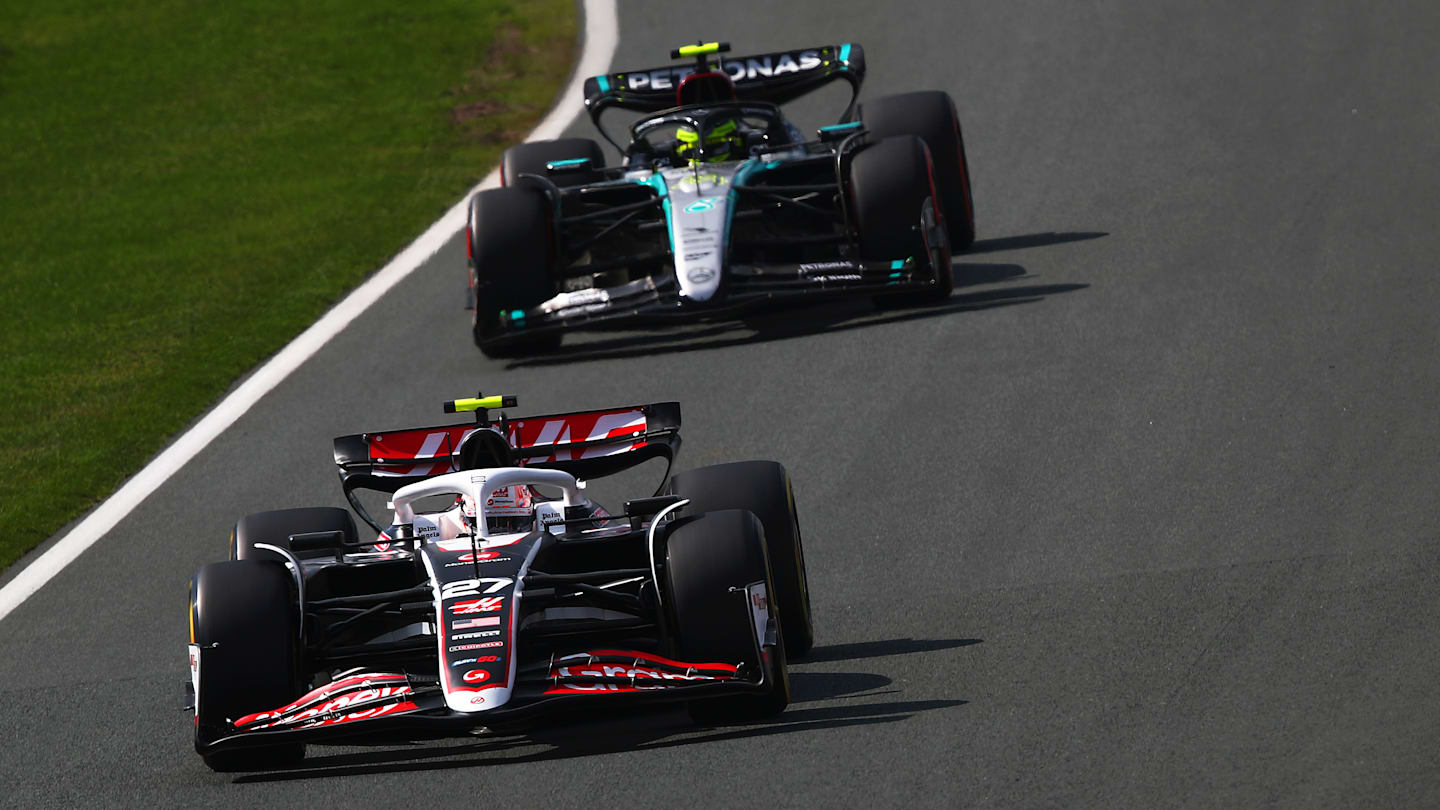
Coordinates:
1145	515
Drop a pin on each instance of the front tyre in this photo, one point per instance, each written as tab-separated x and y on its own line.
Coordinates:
763	488
246	621
709	560
930	115
510	255
892	184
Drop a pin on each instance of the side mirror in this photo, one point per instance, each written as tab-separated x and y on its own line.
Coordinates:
317	541
645	507
839	132
563	166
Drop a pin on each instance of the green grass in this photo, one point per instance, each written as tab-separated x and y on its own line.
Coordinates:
184	186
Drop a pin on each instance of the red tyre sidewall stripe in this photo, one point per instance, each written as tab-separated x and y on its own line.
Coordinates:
964	167
935	202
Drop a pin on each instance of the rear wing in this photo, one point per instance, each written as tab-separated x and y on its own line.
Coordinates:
776	77
586	444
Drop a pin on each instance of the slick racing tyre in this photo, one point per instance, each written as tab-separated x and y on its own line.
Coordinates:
705	558
531	158
930	115
761	487
276	527
510	248
893	190
246	622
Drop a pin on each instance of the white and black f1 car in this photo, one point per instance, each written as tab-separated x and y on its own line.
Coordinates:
719	202
498	593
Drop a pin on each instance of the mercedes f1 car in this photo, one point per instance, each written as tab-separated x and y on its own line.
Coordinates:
498	593
719	203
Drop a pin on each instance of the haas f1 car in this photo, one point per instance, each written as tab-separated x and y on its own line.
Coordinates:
498	593
719	203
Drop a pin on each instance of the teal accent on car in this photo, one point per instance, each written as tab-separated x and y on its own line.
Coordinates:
748	168
845	52
604	83
570	162
517	314
657	182
897	264
833	127
895	275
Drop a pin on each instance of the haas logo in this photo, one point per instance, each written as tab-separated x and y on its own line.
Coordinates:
475	676
484	604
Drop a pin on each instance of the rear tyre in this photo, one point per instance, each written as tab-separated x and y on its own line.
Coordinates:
276	527
893	187
510	256
930	115
707	556
531	158
763	488
247	624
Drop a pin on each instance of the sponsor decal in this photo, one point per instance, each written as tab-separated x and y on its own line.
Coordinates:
578	427
700	275
364	714
475	676
483	659
476	634
481	646
329	707
702	204
621	671
195	675
485	604
823	266
473	587
738	70
394	450
481	557
477	700
659	671
471	624
759	608
487	557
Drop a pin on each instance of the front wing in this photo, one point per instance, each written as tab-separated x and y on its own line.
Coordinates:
381	706
747	287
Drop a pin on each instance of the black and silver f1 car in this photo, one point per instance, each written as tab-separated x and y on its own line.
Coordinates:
498	593
719	203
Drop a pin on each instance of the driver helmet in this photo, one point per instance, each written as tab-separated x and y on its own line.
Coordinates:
723	141
508	510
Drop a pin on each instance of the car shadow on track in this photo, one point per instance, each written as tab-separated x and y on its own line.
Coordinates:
1030	240
790	321
783	323
656	729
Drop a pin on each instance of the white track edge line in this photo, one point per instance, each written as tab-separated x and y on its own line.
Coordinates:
602	36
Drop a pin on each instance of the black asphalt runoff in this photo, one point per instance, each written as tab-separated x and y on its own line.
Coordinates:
1144	515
